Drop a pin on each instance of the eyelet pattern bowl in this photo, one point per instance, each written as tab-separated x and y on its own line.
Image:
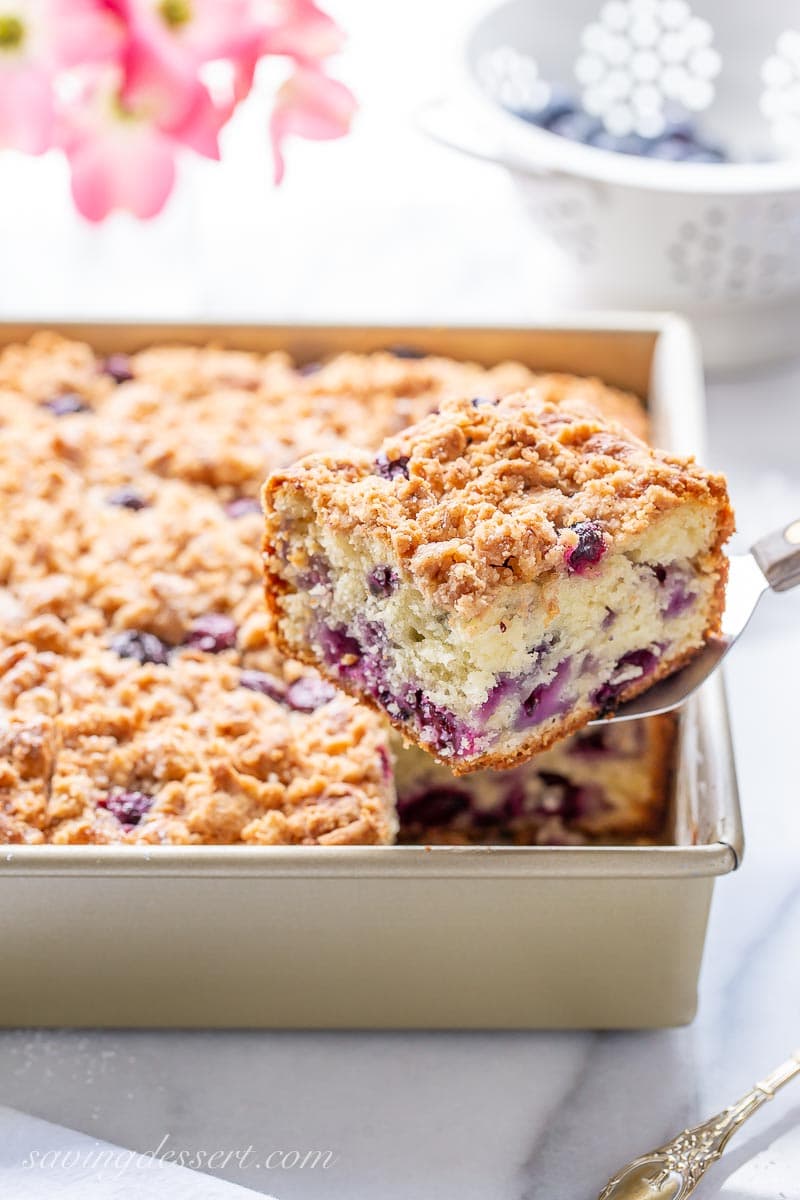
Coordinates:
717	241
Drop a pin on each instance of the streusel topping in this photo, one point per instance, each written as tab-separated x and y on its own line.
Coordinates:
486	492
140	699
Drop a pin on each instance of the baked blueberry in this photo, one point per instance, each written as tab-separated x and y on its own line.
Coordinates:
394	468
144	647
127	497
382	580
242	506
212	633
266	685
309	693
127	807
590	548
410	352
66	403
118	366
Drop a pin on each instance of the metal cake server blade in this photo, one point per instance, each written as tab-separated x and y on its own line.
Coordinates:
773	562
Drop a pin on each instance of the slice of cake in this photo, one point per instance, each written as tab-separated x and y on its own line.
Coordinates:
498	574
600	786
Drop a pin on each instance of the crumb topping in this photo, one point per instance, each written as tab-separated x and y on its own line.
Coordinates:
140	699
477	496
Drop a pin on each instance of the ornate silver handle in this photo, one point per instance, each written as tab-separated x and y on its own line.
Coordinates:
778	555
674	1170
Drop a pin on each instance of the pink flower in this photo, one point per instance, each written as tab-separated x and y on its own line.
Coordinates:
161	86
192	32
122	87
122	138
300	29
312	105
38	38
293	28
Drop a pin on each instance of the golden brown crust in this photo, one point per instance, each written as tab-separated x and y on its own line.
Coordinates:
483	496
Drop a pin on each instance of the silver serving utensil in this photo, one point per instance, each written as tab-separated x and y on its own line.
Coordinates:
674	1170
773	562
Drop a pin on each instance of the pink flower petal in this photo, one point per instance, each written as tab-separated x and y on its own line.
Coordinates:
302	31
27	115
212	29
83	31
311	105
133	170
199	126
157	79
161	84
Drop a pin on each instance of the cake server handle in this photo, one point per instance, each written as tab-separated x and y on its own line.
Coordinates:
673	1171
778	555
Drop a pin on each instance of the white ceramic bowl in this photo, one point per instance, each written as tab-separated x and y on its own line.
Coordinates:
720	243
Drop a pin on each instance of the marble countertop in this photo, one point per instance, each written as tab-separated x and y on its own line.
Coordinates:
513	1116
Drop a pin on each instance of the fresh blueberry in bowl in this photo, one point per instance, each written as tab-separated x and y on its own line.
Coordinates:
629	143
578	126
560	103
707	154
669	149
564	115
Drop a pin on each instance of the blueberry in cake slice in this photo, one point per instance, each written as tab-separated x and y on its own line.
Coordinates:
499	573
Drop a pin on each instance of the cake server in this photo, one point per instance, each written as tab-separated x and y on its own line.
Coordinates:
673	1171
773	562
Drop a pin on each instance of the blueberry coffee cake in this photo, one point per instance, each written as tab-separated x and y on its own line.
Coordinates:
140	698
499	573
608	784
